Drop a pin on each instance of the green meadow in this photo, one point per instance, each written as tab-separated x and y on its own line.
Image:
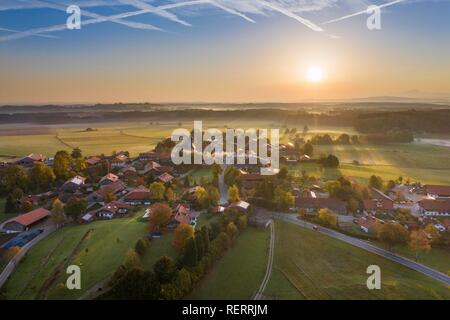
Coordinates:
98	248
309	265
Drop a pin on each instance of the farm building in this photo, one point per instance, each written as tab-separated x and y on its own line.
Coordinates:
313	205
241	206
139	196
73	184
107	179
27	220
437	192
113	209
29	160
431	207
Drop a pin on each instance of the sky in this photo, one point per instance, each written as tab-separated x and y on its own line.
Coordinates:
222	51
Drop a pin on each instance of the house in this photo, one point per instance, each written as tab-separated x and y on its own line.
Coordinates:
128	172
437	191
100	195
107	179
379	202
181	215
149	156
139	196
27	220
29	160
240	205
73	184
113	209
250	181
93	161
218	210
165	178
119	161
189	194
313	205
431	207
368	223
88	217
151	167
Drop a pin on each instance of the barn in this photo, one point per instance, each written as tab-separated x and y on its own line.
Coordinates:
27	220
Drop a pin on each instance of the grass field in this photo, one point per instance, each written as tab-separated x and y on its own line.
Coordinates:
239	273
308	265
98	248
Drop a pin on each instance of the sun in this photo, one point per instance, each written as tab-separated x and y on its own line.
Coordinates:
314	74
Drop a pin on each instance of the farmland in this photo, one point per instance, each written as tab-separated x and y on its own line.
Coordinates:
98	248
308	265
239	273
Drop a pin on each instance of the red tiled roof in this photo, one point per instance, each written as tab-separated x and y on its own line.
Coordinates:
439	190
435	205
93	160
165	177
152	165
37	157
367	222
140	193
110	176
32	217
378	204
113	188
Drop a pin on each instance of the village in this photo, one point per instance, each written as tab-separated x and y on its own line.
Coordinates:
74	189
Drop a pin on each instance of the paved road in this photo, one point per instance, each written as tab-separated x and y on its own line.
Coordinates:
223	187
371	248
11	266
262	288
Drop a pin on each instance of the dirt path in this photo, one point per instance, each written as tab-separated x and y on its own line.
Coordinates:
262	288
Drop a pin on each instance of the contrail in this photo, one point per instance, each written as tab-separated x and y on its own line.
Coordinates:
101	19
60	7
38	35
230	10
362	12
145	6
292	15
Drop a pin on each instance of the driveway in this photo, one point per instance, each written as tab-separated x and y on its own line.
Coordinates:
439	276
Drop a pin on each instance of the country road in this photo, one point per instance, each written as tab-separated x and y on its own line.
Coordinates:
439	276
262	288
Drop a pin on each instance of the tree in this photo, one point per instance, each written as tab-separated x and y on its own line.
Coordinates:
213	195
200	247
181	235
62	165
76	153
331	161
305	130
205	237
13	178
216	169
308	148
333	186
283	199
355	139
132	260
419	242
391	233
327	217
343	139
26	206
79	165
75	207
164	269
201	198
434	234
282	174
232	230
233	194
157	190
11	253
231	175
242	222
169	195
57	216
190	256
41	177
160	216
375	182
137	284
141	246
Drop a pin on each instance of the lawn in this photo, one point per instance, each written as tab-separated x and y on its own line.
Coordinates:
238	275
98	248
308	265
